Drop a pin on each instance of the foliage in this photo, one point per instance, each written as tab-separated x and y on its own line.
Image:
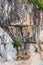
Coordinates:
16	43
37	3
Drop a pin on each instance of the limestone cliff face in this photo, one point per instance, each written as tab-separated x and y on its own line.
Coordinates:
12	11
15	11
6	48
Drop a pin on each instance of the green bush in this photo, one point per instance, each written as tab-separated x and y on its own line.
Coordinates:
16	42
37	3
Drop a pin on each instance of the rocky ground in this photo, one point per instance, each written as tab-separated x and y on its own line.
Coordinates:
34	60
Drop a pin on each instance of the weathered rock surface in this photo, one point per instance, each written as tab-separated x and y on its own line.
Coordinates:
6	48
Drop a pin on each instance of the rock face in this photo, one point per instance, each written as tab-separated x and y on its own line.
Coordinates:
6	48
41	36
10	12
